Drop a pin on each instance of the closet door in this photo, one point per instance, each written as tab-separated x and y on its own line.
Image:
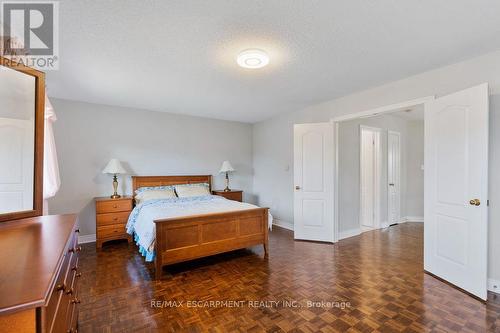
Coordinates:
393	176
369	177
313	175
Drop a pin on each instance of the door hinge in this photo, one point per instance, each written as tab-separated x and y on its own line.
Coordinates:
488	203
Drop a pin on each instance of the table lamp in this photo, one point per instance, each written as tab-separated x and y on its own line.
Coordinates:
226	168
114	168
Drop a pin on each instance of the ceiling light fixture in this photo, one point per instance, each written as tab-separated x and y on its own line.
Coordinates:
253	58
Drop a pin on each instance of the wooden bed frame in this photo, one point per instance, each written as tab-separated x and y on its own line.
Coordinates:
195	236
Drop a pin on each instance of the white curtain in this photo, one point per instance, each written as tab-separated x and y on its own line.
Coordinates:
51	179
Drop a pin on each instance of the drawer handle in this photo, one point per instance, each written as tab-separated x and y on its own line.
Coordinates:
61	287
76	301
77	230
74	268
70	331
69	292
78	275
78	248
115	219
115	206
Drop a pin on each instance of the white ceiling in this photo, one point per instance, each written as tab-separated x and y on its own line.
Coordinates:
179	56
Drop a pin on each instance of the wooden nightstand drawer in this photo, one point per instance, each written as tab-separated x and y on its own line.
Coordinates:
231	195
112	218
112	231
111	206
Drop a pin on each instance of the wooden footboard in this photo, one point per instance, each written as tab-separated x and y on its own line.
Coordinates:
185	238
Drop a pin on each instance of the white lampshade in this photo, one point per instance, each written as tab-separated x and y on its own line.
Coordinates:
114	167
226	167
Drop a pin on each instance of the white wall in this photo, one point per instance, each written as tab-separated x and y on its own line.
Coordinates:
273	182
412	143
150	143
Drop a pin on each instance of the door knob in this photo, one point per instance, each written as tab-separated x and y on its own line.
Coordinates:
475	202
297	187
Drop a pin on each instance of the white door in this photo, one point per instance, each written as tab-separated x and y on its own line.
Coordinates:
393	176
369	166
456	188
313	175
16	165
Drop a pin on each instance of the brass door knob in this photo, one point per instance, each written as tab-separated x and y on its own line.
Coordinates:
475	202
297	187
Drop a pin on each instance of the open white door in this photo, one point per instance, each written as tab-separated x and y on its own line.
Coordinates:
456	189
313	174
369	178
393	177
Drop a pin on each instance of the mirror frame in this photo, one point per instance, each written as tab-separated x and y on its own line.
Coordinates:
38	144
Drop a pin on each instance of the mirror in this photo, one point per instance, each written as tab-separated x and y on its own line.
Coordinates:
21	140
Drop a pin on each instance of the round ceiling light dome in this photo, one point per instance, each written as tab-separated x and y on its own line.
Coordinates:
253	58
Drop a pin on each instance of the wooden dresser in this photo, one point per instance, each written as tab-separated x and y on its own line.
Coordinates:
39	274
111	218
235	195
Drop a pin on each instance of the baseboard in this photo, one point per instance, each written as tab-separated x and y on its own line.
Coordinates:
349	233
494	286
86	239
384	224
419	219
283	224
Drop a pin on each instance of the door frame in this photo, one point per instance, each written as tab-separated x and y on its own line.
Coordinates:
398	176
378	174
362	114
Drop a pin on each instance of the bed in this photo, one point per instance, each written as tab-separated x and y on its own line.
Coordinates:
170	231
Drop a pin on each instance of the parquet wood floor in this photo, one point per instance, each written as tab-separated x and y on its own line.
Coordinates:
379	273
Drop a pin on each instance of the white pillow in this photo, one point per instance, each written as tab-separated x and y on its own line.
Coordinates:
192	190
154	194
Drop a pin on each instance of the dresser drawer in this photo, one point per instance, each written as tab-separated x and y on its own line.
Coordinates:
112	218
62	286
112	206
111	231
61	322
73	317
57	293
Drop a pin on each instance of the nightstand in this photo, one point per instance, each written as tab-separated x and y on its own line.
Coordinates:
235	195
111	218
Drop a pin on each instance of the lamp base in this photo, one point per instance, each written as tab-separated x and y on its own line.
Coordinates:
115	188
227	189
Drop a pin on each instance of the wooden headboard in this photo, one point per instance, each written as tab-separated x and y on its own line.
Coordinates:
143	181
